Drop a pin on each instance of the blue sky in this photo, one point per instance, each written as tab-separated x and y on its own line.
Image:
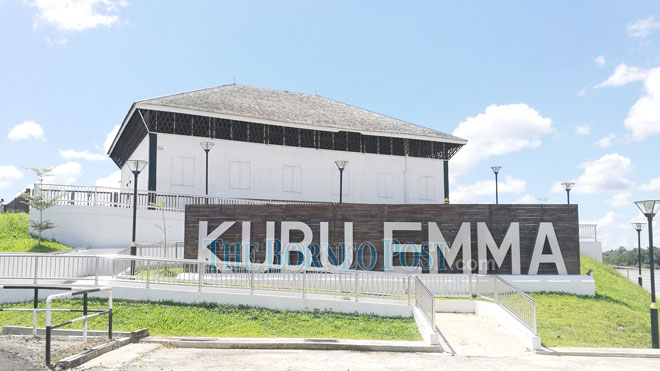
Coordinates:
551	91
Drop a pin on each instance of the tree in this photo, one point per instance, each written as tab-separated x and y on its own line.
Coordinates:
162	227
39	202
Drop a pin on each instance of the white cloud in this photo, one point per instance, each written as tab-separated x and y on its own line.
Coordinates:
499	130
643	118
110	137
583	130
605	142
26	130
66	173
528	199
612	230
653	185
77	15
608	173
643	27
600	60
9	174
473	192
623	75
620	200
111	181
70	154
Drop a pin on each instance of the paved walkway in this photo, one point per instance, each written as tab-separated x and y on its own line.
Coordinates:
470	334
146	358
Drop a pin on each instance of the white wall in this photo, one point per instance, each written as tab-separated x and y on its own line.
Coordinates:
568	283
253	170
108	227
592	249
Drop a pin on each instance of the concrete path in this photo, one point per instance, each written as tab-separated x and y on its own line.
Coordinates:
164	359
471	335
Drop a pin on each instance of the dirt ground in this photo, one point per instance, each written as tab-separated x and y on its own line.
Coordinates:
27	353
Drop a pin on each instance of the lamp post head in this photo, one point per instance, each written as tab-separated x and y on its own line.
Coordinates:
136	166
568	186
496	169
648	207
341	164
638	226
206	145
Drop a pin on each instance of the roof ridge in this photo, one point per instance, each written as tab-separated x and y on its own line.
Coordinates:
272	93
184	92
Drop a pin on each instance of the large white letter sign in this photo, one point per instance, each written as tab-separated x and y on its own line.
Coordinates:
302	246
204	239
511	242
348	246
546	230
462	241
391	247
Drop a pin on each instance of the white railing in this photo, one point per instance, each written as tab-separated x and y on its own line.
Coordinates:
588	232
171	250
425	301
117	197
257	277
516	302
632	273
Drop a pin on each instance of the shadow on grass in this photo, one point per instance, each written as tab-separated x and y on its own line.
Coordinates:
41	248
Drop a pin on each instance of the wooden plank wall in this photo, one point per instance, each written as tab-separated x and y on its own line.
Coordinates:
368	226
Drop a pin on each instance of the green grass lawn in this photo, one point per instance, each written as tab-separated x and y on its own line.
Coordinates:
618	316
15	236
212	320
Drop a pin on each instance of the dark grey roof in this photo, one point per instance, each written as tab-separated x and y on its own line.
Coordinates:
294	108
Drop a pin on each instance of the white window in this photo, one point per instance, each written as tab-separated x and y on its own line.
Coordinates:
292	179
183	171
385	185
427	188
239	175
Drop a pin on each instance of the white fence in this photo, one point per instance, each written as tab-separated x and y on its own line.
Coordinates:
632	274
117	197
255	277
171	250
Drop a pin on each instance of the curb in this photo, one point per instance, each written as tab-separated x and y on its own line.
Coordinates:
604	352
89	354
295	344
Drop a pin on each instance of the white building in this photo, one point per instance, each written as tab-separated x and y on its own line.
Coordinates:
267	145
279	145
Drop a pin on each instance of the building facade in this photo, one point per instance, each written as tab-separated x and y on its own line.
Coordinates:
277	145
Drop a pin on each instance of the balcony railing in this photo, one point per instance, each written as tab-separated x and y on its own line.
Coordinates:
117	197
588	232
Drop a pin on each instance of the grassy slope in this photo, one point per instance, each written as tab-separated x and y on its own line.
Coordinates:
15	236
618	316
167	318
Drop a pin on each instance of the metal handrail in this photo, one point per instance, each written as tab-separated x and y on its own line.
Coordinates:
425	301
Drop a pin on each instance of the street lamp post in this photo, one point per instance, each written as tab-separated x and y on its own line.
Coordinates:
341	165
207	147
638	227
496	170
135	166
568	186
649	208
